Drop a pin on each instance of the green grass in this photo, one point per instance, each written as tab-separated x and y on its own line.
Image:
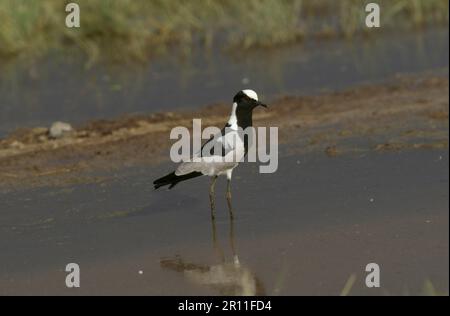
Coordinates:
138	29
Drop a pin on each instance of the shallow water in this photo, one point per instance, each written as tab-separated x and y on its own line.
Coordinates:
320	221
62	89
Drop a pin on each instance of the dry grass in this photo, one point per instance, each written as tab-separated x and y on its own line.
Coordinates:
138	29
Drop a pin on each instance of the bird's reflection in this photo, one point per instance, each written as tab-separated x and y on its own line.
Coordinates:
228	277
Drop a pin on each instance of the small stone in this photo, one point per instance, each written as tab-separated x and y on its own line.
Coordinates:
42	138
331	151
60	129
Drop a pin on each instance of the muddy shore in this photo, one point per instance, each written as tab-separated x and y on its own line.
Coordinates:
406	113
363	177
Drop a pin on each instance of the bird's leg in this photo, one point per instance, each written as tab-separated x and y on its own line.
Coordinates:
216	245
230	207
233	247
211	196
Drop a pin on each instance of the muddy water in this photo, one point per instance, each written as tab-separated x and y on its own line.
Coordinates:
321	220
62	89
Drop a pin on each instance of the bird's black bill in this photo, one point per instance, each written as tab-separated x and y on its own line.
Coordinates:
262	104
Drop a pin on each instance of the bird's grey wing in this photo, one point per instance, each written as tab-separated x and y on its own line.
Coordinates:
210	160
205	166
188	167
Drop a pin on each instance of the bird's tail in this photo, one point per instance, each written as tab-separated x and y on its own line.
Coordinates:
172	179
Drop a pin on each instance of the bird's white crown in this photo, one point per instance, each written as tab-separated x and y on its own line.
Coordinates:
251	94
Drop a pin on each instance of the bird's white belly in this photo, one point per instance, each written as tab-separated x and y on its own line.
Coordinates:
220	169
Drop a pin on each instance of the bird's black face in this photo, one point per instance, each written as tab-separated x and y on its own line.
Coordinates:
246	103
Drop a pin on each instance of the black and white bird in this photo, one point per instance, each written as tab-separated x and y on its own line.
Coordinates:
233	147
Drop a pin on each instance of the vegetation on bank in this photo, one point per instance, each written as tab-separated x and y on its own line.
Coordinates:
139	29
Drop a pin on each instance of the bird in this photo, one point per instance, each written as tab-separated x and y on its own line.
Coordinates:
233	146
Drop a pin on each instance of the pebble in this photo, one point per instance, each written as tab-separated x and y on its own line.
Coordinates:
60	129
